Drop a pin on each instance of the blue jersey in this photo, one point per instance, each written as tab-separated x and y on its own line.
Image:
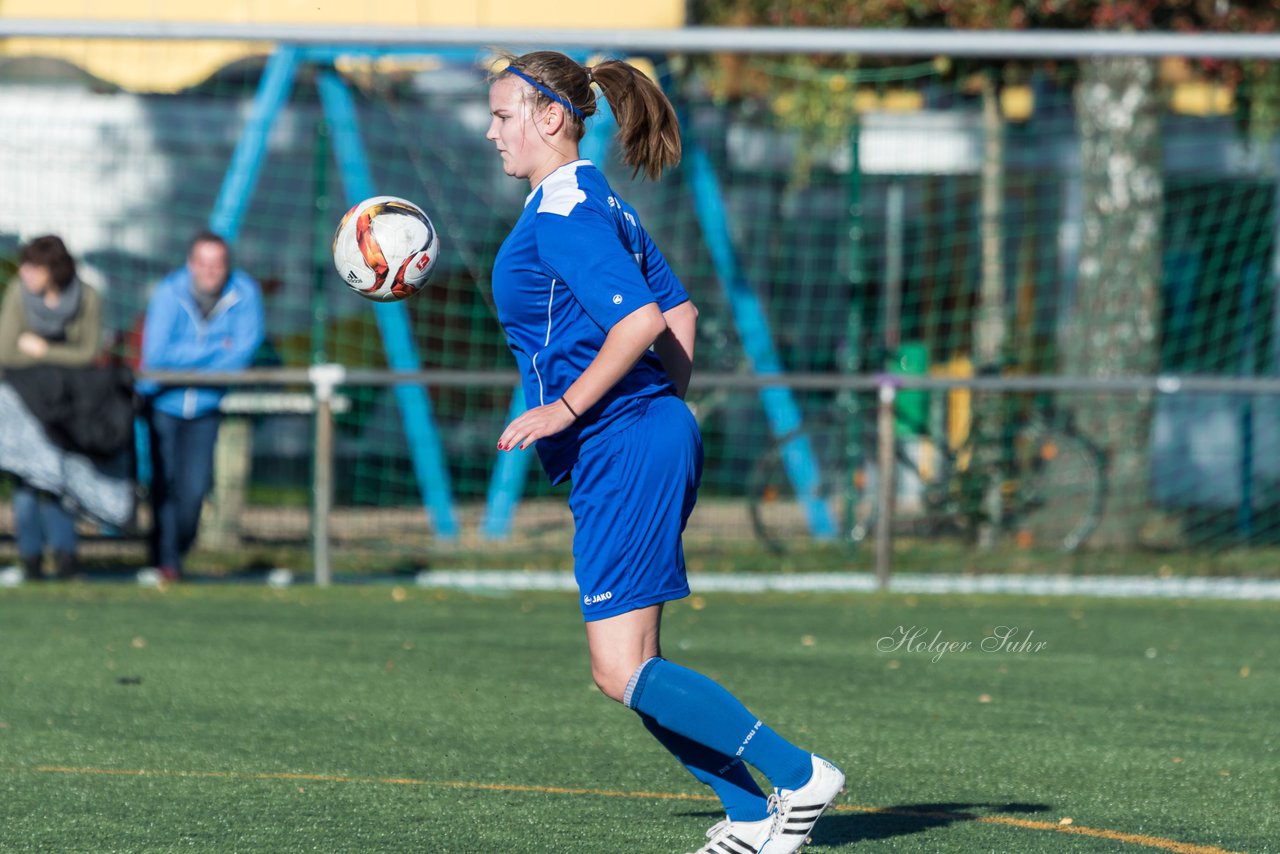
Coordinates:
577	262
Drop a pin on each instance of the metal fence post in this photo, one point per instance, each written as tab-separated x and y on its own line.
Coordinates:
324	378
888	493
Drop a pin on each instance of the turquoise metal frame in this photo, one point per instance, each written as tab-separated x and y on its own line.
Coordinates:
425	447
237	188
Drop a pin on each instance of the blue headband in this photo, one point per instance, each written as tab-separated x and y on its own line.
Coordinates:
559	99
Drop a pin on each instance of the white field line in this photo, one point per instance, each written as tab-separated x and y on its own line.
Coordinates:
865	582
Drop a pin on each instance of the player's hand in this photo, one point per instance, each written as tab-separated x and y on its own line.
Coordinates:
534	424
33	345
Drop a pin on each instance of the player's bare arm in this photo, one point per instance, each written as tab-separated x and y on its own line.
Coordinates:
622	348
675	346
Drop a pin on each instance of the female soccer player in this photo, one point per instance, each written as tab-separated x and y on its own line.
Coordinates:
583	293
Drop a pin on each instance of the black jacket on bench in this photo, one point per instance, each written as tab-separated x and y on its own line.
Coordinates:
88	410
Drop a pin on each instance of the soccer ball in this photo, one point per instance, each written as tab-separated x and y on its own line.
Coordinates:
385	248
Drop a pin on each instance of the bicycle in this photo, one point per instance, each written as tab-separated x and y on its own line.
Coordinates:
1039	481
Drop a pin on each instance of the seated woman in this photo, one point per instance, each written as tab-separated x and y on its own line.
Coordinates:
48	317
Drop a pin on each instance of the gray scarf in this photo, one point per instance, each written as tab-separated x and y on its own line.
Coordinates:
51	323
206	301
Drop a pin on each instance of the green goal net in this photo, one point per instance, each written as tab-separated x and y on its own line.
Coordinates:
834	217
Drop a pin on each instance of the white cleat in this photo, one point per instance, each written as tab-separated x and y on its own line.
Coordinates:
798	810
737	837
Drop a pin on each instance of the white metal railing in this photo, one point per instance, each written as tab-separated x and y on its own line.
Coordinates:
1023	44
323	380
339	375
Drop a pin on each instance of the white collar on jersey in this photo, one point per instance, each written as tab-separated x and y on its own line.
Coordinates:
572	163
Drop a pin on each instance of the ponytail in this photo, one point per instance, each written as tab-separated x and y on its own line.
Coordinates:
647	127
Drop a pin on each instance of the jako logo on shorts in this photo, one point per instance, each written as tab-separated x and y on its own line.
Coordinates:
597	598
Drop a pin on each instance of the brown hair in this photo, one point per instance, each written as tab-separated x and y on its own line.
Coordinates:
647	127
50	252
209	237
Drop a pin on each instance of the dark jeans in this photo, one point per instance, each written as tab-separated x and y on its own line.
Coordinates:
41	521
181	477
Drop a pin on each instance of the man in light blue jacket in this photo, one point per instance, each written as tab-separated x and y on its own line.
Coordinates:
203	317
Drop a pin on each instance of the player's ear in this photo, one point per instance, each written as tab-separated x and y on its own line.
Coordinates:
552	118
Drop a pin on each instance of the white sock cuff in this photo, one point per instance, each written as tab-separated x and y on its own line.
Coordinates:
634	681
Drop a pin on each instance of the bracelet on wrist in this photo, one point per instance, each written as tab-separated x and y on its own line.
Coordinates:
570	408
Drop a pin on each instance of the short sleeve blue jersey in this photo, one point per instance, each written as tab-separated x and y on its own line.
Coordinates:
577	262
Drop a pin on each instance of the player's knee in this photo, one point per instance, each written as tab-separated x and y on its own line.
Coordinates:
611	681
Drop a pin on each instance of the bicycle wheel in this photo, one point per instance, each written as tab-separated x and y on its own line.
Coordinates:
1058	496
842	496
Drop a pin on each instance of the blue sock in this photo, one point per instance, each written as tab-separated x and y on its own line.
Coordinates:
728	778
695	707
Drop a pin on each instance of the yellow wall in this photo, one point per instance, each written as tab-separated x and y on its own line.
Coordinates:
166	66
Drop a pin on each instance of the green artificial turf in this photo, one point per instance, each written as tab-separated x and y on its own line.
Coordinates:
367	719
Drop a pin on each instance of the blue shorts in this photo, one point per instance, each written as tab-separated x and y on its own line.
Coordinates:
632	493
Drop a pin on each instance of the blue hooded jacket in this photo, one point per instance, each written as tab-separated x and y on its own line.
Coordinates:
177	338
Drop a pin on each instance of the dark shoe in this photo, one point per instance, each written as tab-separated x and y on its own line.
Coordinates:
169	573
64	565
34	567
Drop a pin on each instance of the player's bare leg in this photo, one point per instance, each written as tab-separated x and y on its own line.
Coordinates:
619	645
